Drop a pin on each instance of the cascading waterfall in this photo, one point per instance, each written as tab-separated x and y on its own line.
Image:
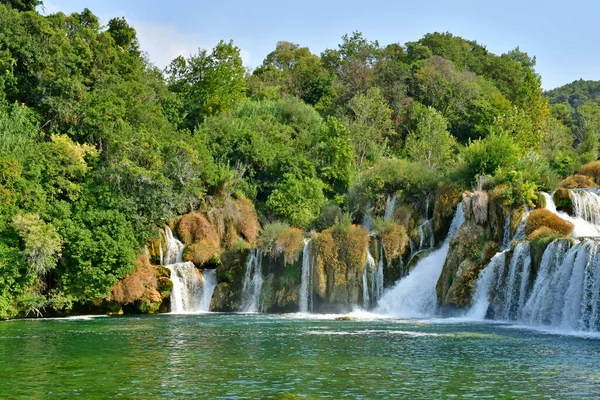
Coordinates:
586	205
506	237
390	205
583	227
192	291
306	281
253	281
564	293
414	295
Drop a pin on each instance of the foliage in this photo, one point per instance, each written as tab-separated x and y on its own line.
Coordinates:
298	200
430	142
269	236
393	238
578	181
591	170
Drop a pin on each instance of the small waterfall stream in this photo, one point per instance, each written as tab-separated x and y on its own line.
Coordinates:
414	295
192	291
306	281
253	281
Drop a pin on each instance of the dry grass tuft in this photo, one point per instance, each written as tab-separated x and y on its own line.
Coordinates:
247	224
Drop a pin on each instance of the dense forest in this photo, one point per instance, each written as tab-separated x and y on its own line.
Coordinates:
99	148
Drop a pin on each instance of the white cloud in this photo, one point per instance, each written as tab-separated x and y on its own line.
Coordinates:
163	43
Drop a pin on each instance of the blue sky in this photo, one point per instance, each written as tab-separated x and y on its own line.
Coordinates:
564	36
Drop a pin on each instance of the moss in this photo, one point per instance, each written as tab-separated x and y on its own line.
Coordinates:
202	252
247	224
562	199
578	181
591	170
290	243
340	258
544	218
194	227
539	240
540	201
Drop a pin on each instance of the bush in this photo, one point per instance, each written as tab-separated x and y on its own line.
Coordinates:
578	181
203	251
544	218
393	175
592	170
485	156
269	236
297	199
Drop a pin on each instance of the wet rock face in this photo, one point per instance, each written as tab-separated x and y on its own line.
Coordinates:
470	250
224	299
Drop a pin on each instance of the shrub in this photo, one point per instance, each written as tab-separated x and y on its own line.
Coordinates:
485	156
592	170
290	244
297	199
544	218
269	236
392	176
578	181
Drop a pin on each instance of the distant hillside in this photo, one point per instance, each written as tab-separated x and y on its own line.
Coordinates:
575	93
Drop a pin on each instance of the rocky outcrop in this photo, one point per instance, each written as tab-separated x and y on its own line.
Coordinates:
471	249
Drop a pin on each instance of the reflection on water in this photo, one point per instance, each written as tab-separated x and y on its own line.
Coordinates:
257	356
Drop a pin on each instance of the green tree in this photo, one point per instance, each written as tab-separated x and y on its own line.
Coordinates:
208	83
430	142
370	125
297	200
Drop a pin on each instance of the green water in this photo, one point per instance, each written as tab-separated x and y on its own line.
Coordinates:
258	356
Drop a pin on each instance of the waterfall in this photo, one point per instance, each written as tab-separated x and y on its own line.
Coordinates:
583	227
414	295
306	280
487	275
209	279
426	235
586	205
506	237
390	205
253	281
369	268
378	292
192	291
565	293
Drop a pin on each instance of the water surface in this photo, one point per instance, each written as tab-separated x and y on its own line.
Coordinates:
233	356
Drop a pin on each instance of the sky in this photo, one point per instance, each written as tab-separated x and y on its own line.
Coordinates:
563	35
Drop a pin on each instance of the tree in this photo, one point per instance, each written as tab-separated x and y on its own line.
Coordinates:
430	142
208	83
297	199
23	5
370	125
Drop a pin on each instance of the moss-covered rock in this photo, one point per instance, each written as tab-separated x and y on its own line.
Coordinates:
562	199
470	250
545	218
